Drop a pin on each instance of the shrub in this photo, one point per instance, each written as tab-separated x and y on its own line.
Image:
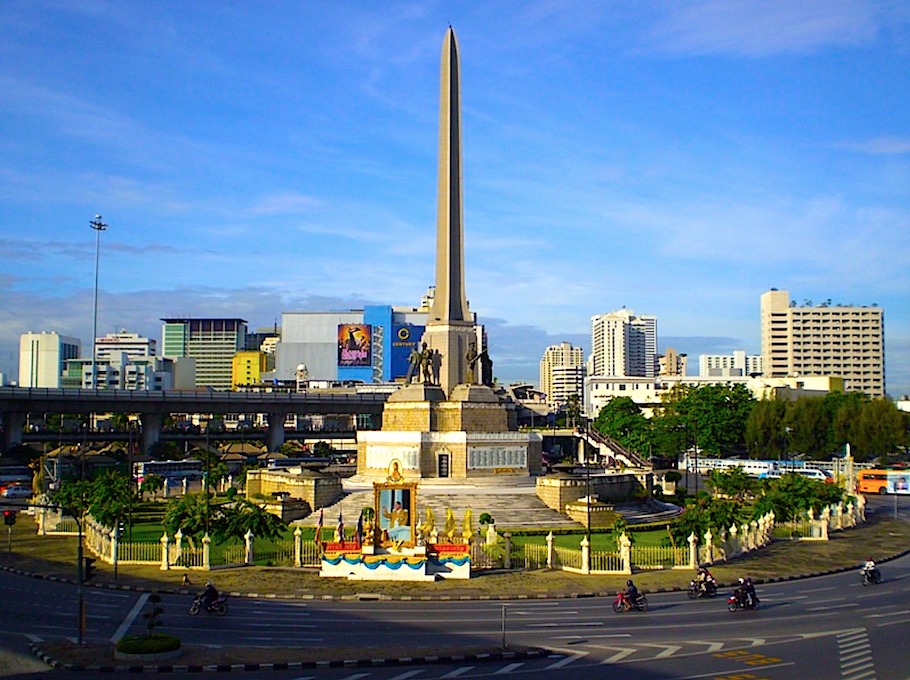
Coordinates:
155	643
486	518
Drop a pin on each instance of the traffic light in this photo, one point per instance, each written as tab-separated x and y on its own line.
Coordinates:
9	517
89	571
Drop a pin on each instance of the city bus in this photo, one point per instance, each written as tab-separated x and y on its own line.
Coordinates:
883	481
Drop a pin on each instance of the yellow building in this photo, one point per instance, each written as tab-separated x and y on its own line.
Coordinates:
247	368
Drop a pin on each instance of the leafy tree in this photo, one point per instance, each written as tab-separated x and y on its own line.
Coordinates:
74	496
807	427
732	482
189	513
792	494
765	428
152	484
622	420
323	449
235	521
704	513
111	497
712	417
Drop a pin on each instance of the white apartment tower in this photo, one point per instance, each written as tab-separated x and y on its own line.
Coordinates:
730	365
43	356
562	373
826	340
624	344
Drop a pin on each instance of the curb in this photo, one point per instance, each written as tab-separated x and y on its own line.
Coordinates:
503	655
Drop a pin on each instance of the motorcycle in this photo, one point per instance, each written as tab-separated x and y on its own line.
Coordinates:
740	600
218	607
623	604
704	588
871	576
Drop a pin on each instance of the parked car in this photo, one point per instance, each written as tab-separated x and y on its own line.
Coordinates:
14	491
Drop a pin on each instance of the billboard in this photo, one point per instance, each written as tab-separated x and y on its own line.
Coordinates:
405	338
354	344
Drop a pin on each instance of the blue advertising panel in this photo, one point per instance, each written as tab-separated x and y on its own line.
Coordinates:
405	337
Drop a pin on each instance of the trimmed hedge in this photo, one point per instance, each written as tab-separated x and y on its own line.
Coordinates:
156	643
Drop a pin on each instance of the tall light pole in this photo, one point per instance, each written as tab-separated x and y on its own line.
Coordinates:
98	225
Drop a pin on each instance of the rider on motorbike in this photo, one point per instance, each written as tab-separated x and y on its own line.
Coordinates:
869	568
745	593
631	593
702	577
209	595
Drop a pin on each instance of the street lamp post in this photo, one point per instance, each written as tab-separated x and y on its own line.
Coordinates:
98	225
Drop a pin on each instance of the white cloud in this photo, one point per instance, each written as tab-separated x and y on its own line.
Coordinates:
758	28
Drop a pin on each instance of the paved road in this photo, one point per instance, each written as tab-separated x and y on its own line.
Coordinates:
827	627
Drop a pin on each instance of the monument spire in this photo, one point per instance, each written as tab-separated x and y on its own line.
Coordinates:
450	304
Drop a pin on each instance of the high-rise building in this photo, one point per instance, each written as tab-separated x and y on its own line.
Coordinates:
43	356
132	344
248	366
623	344
211	342
732	365
826	339
562	373
672	363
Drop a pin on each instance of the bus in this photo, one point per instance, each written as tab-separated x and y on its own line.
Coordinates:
883	481
169	469
810	473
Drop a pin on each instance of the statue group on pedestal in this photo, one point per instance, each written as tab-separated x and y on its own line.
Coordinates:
424	365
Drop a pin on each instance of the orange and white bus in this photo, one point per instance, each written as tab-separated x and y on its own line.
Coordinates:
883	481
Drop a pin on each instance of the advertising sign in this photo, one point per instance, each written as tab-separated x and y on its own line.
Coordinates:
354	344
405	338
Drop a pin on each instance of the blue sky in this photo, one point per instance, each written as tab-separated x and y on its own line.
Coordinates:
678	159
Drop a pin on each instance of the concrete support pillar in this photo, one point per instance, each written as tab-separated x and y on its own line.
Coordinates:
13	422
151	430
276	431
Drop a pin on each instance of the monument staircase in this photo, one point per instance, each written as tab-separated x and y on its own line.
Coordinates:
512	505
611	451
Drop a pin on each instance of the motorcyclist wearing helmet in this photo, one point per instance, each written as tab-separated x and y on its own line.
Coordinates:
631	593
741	593
210	594
750	591
869	568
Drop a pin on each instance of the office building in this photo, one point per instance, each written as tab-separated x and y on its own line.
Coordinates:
211	342
133	345
623	344
738	364
43	356
248	367
824	340
562	371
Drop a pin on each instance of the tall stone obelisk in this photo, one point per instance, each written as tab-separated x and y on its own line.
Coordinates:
456	429
450	325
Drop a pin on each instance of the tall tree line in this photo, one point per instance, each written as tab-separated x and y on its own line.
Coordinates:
726	420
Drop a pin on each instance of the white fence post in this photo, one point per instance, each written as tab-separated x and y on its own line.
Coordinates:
165	539
585	556
551	551
206	552
693	551
298	547
625	553
248	537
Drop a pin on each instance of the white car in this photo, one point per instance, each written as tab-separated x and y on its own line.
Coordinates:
17	492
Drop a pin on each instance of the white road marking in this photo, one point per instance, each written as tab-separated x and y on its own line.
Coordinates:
505	670
457	672
566	661
128	621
